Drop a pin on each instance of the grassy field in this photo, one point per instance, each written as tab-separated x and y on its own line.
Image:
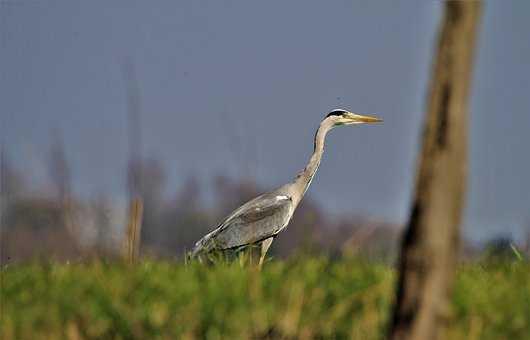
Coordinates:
312	298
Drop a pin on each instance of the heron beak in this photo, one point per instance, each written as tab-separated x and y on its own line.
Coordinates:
352	118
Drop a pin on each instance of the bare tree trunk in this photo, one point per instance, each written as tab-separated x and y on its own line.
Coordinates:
430	246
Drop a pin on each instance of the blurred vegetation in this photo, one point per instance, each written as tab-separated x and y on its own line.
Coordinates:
53	222
306	298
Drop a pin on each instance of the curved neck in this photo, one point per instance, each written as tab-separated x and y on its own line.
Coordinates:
304	178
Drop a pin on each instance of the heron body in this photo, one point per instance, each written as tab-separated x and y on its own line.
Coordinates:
261	219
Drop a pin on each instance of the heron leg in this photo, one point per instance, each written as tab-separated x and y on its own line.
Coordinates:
264	248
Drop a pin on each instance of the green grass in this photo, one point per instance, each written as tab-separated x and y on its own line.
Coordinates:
313	298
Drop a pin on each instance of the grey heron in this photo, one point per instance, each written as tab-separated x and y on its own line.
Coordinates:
259	221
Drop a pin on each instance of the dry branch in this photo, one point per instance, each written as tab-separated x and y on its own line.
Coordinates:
134	228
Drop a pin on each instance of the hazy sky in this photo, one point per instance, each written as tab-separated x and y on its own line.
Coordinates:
259	76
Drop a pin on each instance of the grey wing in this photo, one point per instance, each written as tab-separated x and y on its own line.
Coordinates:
256	220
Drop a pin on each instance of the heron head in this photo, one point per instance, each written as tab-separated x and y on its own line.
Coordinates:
342	117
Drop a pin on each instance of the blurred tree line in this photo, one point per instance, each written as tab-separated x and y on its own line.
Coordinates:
51	222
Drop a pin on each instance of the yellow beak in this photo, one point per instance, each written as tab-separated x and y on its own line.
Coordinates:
352	118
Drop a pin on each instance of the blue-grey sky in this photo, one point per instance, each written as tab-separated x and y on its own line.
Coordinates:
261	75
